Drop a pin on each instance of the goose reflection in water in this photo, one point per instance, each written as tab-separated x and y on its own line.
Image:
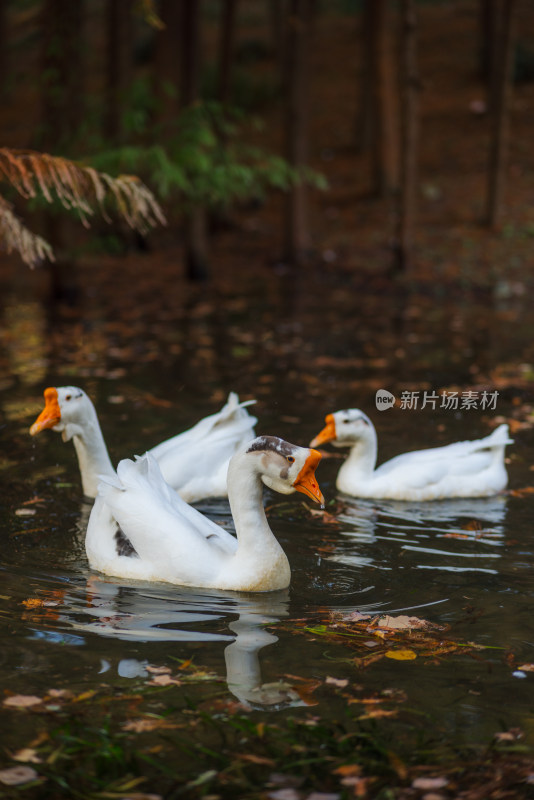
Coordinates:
148	614
416	527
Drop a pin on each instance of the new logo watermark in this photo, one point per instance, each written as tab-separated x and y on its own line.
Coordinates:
447	399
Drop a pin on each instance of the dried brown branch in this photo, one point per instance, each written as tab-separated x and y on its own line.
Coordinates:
75	186
15	236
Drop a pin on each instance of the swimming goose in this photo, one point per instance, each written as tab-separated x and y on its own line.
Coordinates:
140	528
464	469
194	462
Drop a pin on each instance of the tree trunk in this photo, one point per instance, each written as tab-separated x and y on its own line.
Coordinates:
226	49
62	68
297	234
378	117
410	139
487	12
500	98
119	66
4	43
196	236
62	108
167	68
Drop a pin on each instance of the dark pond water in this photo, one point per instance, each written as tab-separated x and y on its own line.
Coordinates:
302	348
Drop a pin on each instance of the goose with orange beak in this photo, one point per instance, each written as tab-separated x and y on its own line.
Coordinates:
140	529
472	468
194	463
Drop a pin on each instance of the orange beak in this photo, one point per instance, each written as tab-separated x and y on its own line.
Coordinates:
306	481
327	434
51	413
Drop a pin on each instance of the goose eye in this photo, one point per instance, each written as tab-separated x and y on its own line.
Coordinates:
290	459
68	397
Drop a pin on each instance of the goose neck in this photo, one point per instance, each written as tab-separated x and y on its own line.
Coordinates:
93	457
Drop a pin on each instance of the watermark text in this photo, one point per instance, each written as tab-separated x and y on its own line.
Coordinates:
448	400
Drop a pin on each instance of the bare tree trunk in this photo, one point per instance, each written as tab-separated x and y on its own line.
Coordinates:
62	89
486	32
297	233
119	66
4	41
226	49
167	67
378	117
410	139
196	236
500	99
62	98
75	42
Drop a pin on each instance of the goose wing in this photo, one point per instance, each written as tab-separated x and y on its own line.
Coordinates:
464	457
196	461
163	529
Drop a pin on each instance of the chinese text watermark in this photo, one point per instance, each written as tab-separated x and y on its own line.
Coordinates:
448	400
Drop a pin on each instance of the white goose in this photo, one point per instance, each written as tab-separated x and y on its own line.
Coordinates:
464	469
139	528
194	462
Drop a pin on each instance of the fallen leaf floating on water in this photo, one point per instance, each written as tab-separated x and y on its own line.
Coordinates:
284	794
404	623
378	713
22	701
513	735
429	784
27	755
339	682
147	725
401	655
164	680
524	492
16	776
323	796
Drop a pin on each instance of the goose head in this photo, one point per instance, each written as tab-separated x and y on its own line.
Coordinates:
66	410
285	467
346	428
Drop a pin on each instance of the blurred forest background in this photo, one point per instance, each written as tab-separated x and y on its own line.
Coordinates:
319	145
369	132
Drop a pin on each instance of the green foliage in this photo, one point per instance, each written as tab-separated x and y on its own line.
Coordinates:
205	163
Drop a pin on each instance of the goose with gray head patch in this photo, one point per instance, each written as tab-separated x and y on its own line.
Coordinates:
173	542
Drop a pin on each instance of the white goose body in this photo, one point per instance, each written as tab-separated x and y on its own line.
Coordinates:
463	469
139	528
194	463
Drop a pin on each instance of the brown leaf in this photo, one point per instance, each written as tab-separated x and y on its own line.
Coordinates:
147	725
526	490
378	713
254	759
348	769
